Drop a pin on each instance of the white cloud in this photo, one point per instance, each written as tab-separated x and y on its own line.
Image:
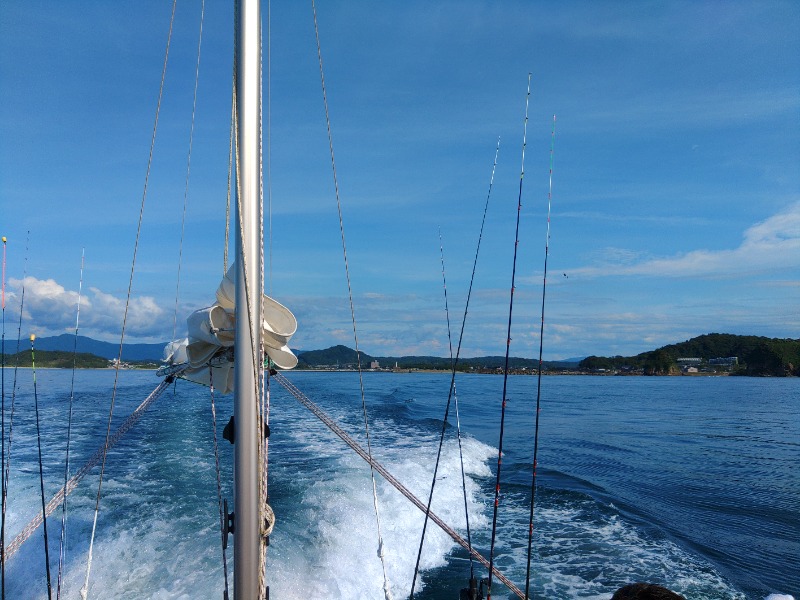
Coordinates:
768	246
50	309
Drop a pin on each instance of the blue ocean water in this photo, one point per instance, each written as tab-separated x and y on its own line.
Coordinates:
691	482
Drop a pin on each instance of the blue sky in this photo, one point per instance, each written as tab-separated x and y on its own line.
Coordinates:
676	189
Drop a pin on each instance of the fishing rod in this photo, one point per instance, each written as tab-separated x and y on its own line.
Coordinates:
63	542
454	361
3	431
508	348
41	472
7	449
539	378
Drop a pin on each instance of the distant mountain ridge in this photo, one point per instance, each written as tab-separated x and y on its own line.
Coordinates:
66	343
757	355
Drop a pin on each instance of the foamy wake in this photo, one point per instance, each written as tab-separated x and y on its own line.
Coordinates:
335	553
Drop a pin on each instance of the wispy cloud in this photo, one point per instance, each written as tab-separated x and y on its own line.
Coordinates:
769	246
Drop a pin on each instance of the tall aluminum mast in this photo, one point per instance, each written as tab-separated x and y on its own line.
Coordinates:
248	322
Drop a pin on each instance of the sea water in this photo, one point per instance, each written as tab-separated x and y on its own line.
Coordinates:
690	482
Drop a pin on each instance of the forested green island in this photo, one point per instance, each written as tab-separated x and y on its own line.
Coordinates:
713	353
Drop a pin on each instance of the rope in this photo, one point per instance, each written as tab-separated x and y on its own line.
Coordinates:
386	590
85	588
508	346
451	390
41	472
188	169
539	379
7	457
331	424
68	488
222	515
62	544
261	400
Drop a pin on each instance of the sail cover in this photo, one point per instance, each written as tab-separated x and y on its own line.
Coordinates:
208	349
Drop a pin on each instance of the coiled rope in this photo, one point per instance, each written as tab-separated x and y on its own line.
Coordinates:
374	464
386	588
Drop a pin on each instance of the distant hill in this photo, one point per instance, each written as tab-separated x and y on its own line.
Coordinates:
335	356
66	343
57	359
755	355
343	357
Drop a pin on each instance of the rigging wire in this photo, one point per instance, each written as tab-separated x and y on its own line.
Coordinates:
455	364
386	589
269	134
85	588
41	471
539	377
508	346
222	515
62	544
3	430
7	451
188	168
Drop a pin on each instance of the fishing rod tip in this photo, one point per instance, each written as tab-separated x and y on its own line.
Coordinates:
4	239
33	337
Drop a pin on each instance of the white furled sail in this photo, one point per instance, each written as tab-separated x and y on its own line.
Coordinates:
208	347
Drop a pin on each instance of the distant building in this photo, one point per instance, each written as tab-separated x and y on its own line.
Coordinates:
374	365
729	361
689	361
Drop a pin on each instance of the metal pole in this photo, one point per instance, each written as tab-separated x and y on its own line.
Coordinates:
248	312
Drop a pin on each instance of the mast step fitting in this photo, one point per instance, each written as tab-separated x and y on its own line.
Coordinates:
229	433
